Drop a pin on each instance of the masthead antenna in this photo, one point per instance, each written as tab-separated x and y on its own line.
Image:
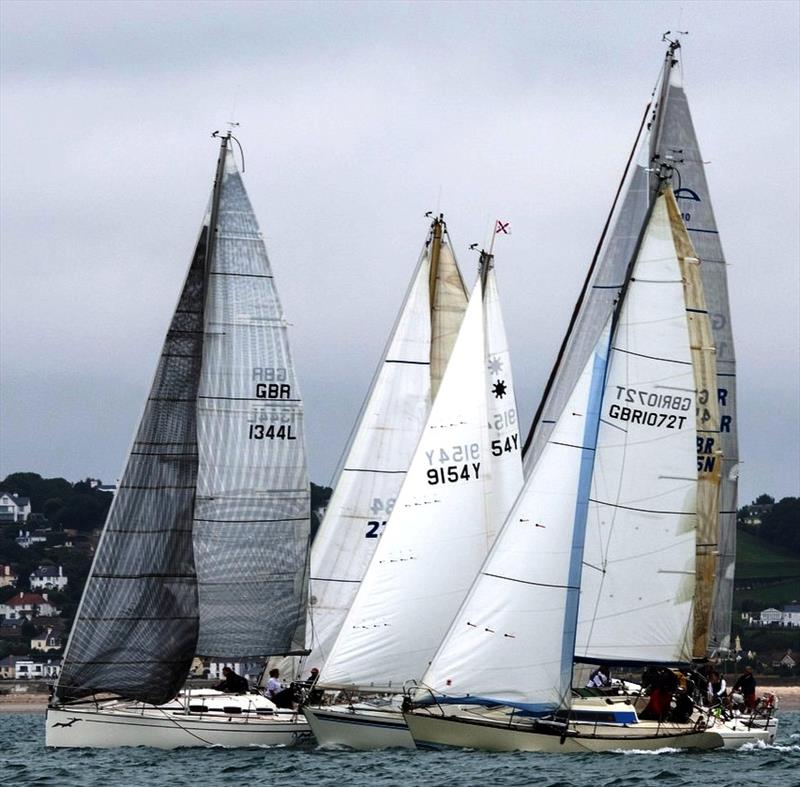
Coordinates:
231	124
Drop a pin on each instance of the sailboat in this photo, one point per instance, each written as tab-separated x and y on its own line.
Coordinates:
465	473
205	548
628	614
383	440
621	458
666	143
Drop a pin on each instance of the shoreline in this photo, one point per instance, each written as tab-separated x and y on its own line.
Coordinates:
23	702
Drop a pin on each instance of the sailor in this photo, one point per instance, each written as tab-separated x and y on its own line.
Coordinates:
313	696
600	678
717	689
746	684
273	685
232	683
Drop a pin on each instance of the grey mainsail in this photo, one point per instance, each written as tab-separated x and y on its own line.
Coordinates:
667	144
251	528
679	144
205	547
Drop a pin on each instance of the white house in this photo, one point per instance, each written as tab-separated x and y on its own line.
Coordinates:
25	539
49	639
14	508
791	615
7	577
28	605
28	669
48	578
770	616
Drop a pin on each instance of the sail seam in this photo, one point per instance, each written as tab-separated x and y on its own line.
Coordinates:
528	582
642	510
651	357
369	470
246	275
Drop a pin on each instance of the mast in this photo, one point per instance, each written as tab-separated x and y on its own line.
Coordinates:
216	195
657	156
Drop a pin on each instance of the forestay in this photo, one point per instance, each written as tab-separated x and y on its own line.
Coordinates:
251	527
435	539
388	430
637	586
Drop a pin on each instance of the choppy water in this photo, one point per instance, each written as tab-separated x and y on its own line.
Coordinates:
24	760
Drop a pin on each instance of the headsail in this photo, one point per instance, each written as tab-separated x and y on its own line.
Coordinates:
135	632
388	429
638	580
513	639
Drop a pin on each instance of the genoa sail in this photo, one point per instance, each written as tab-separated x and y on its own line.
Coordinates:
512	640
383	442
638	580
135	633
204	548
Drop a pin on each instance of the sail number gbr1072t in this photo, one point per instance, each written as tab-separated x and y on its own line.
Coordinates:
458	463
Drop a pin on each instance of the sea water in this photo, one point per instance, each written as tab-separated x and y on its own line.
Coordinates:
24	760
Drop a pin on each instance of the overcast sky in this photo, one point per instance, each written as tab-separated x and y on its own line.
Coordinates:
356	119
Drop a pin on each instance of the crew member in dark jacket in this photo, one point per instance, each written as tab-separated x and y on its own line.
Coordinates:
232	683
746	683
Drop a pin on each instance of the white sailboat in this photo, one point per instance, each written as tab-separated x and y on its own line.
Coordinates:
384	437
609	515
463	477
205	547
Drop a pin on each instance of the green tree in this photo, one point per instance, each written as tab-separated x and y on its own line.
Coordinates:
782	525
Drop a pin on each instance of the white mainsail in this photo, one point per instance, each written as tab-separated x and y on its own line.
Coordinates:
439	531
384	439
504	436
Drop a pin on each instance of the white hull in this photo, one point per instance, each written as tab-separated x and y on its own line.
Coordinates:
736	733
451	731
359	728
170	726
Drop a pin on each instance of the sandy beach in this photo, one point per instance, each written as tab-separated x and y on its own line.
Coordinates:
20	702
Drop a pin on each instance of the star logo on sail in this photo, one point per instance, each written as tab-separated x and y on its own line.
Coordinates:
495	365
499	389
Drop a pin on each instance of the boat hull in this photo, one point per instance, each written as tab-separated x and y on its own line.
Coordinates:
452	731
102	728
359	728
736	733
